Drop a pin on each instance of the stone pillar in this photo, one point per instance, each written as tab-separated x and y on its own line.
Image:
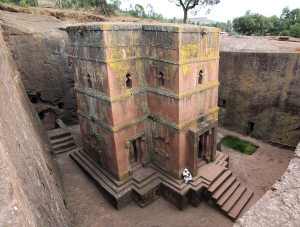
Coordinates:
214	144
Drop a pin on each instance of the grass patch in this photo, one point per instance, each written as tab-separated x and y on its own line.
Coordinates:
235	143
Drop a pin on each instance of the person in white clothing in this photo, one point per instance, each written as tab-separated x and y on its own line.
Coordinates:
187	176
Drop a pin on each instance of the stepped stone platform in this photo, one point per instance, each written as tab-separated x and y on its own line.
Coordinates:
61	139
214	181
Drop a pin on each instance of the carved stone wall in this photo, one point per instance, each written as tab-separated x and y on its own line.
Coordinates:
134	79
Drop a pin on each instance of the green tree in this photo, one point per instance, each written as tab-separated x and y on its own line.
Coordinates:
137	11
251	24
276	25
295	30
115	5
24	3
228	27
290	17
151	14
223	26
194	5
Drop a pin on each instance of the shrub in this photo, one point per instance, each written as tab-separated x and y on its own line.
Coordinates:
24	3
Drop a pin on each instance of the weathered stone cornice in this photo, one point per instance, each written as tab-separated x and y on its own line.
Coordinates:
104	97
157	27
133	122
145	58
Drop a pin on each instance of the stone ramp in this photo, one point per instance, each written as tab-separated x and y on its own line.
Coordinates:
61	139
146	184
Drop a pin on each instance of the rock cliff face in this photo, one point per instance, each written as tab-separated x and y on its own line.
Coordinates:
29	190
40	46
259	95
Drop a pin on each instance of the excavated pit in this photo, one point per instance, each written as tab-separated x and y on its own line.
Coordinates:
32	193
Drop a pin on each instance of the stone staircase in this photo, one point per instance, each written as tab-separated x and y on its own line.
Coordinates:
61	139
229	194
118	192
146	184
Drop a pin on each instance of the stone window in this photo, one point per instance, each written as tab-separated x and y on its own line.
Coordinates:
128	81
89	81
200	77
161	79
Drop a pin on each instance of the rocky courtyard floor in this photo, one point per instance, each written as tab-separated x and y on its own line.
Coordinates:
89	208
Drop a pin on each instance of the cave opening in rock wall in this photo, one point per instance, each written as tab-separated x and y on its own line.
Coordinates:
34	99
250	127
48	118
60	105
41	115
222	103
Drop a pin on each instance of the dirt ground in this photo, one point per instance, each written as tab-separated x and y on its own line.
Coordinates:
90	208
260	170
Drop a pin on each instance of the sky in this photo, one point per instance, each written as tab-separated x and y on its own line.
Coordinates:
225	10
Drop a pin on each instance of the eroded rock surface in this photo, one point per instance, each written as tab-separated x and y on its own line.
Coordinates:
30	194
259	91
280	206
40	47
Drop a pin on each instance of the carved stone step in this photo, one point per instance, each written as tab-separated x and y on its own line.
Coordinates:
233	198
64	145
61	140
57	133
65	150
236	209
221	190
228	193
218	182
105	183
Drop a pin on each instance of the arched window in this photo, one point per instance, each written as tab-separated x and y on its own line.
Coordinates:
161	79
128	81
89	81
200	77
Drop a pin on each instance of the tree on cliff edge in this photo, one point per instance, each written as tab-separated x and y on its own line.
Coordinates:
194	5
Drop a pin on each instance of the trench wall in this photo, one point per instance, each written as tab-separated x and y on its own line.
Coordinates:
259	94
39	46
30	194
